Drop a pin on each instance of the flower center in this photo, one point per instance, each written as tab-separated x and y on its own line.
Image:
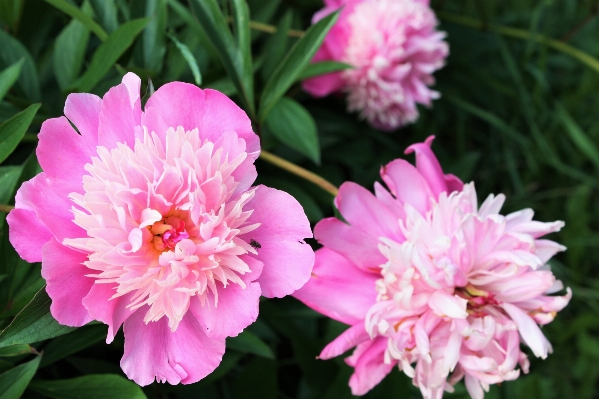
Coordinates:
477	300
168	232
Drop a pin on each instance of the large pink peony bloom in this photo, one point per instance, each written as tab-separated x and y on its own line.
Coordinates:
148	219
433	283
394	49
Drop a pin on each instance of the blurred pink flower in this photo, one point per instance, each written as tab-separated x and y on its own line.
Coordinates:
394	49
431	282
148	219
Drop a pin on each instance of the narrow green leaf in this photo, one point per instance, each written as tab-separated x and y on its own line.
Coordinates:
322	68
10	12
15	350
34	323
247	342
189	58
9	76
13	130
13	51
153	43
294	63
293	125
107	14
99	386
71	343
109	52
214	25
76	13
69	52
578	136
243	35
14	381
9	176
276	46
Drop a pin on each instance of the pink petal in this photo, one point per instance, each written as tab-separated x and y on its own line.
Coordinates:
111	311
66	283
523	287
120	113
407	184
529	330
83	110
338	289
351	242
287	259
152	351
364	211
351	337
27	234
236	309
369	365
323	85
444	304
428	165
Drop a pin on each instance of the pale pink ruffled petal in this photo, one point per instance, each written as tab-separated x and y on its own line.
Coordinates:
287	259
120	113
351	337
529	330
369	367
338	289
351	242
153	352
66	283
101	306
27	234
446	305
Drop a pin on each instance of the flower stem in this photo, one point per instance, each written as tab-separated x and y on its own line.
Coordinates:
301	172
6	208
558	45
262	27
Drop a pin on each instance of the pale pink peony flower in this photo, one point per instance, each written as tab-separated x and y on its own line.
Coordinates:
148	219
433	283
394	49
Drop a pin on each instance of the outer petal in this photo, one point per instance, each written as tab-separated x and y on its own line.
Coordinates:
351	242
324	85
27	234
351	337
428	165
287	259
529	330
363	210
152	351
407	184
236	308
83	110
111	311
120	113
67	285
370	368
338	289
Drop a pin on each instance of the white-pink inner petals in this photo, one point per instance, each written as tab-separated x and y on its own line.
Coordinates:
162	223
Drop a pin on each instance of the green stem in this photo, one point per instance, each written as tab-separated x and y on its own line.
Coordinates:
299	171
558	45
6	208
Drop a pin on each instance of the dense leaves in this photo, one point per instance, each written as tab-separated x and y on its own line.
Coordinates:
517	115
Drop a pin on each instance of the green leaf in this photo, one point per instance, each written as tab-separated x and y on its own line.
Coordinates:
578	136
214	25
247	342
10	12
106	11
191	60
99	386
13	51
9	76
13	130
243	34
33	324
109	52
9	176
15	350
66	345
153	43
69	52
276	46
294	63
76	13
14	381
322	68
289	122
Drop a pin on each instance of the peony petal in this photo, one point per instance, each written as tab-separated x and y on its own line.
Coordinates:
369	366
152	351
27	234
66	283
428	165
529	330
365	212
446	305
83	110
323	85
338	289
407	184
351	242
351	337
101	306
287	259
120	113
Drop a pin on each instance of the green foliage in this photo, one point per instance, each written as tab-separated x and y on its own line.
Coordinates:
517	115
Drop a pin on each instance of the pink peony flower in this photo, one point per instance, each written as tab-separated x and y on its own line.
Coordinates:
394	49
433	283
148	219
